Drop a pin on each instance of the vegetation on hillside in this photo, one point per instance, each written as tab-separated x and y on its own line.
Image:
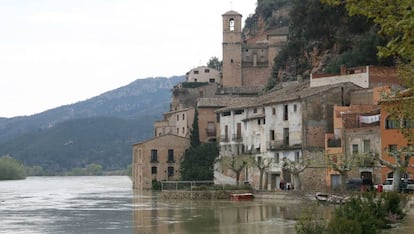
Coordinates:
11	169
321	38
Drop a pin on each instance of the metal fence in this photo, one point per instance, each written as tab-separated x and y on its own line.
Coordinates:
185	185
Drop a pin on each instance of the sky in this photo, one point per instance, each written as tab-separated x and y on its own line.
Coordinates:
59	52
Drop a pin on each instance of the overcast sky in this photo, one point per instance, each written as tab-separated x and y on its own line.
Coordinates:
58	52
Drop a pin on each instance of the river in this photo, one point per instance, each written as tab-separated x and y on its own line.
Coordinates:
107	204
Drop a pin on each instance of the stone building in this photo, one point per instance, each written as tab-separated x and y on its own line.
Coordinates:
248	62
204	74
157	159
285	123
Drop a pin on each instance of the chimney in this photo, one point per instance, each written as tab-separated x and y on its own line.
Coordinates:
343	70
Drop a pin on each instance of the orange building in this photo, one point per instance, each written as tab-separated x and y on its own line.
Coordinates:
393	139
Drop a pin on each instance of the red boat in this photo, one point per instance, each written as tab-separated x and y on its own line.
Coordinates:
241	196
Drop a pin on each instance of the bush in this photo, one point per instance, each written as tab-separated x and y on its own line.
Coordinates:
11	169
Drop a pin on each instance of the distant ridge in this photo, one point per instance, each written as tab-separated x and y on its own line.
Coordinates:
129	112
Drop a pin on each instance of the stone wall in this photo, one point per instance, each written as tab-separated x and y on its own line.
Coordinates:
200	195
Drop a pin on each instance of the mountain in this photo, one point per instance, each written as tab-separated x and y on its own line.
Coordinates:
98	130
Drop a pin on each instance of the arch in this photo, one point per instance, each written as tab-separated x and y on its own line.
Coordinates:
232	24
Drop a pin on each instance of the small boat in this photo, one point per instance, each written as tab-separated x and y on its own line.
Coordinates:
241	196
324	197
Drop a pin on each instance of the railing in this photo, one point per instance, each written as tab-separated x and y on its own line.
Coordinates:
276	145
185	185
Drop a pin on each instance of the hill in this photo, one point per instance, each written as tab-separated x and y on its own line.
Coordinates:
98	130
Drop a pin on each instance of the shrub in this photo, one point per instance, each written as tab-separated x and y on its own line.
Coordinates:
11	169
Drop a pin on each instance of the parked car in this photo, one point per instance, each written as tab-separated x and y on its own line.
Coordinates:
406	185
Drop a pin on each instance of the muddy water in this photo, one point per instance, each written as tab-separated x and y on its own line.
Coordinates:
108	205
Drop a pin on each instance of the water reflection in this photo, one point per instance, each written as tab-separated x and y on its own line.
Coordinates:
154	215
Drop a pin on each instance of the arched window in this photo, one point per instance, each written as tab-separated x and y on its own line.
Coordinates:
231	24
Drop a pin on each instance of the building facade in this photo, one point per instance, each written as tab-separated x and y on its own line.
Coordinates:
157	159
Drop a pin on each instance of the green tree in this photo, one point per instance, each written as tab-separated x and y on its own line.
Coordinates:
215	63
34	171
198	162
93	169
194	134
11	169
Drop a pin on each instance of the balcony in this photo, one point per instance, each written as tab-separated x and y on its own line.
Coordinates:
282	145
236	137
224	138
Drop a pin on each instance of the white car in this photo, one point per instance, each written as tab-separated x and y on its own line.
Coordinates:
406	185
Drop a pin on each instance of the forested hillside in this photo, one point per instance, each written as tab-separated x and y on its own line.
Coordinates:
100	130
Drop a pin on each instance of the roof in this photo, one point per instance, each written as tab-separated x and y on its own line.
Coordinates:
225	101
289	93
298	91
159	137
232	13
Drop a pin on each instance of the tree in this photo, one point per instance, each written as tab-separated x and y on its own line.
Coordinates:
236	164
198	162
262	165
342	165
402	158
194	134
11	169
295	168
215	63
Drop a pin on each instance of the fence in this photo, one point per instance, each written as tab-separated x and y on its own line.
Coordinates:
185	185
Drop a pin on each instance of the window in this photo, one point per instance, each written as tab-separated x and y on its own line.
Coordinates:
226	113
273	111
212	80
206	70
255	110
391	123
183	130
183	117
231	24
355	148
170	171
154	156
258	121
272	135
408	123
170	156
295	108
211	129
178	117
367	146
285	112
277	158
286	136
195	71
154	170
297	156
238	112
178	130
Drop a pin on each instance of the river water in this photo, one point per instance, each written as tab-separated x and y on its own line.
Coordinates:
107	204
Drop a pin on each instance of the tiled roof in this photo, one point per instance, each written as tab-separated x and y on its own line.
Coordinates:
232	13
225	101
294	92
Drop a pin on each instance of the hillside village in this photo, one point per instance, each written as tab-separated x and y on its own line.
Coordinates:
311	134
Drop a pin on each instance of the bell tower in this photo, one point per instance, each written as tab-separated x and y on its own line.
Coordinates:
232	49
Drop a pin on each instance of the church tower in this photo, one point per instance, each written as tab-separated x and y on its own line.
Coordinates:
232	49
